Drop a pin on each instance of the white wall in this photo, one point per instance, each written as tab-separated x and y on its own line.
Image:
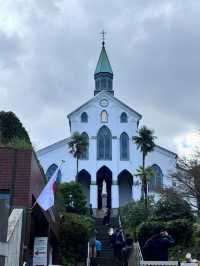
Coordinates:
164	159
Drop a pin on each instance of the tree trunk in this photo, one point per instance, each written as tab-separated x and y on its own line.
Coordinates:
144	183
76	169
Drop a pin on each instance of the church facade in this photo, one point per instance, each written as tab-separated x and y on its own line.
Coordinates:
112	156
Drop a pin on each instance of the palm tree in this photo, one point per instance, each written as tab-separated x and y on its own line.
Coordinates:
145	143
77	145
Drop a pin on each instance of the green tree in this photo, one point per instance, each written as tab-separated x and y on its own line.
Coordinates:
11	129
75	231
145	143
172	206
70	198
77	145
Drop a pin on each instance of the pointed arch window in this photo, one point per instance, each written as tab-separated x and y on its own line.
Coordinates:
124	147
123	118
84	117
85	154
156	181
104	116
104	144
50	171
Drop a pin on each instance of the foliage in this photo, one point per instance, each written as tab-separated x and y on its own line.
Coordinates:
77	145
187	179
145	143
18	143
11	129
70	198
180	229
148	172
145	140
147	229
172	206
74	235
134	213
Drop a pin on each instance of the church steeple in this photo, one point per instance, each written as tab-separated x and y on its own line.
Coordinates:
103	74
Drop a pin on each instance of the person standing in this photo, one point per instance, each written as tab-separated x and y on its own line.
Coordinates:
92	243
156	247
98	247
91	211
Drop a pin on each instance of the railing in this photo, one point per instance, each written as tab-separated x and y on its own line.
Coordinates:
138	260
88	255
11	248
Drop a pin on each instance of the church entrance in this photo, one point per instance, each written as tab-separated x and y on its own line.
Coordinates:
125	181
104	176
84	179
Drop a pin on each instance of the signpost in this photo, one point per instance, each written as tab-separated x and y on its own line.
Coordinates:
40	251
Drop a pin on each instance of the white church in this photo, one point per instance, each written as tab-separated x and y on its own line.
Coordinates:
111	156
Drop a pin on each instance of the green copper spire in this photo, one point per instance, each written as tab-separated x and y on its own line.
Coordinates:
103	74
103	65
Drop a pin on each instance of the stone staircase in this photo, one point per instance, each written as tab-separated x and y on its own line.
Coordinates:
106	257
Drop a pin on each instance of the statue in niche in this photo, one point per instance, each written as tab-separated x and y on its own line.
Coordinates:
104	195
104	188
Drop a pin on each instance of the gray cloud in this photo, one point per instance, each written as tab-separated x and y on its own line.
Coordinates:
49	49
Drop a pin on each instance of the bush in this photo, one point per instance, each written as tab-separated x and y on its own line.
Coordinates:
147	229
180	230
172	206
74	235
11	127
133	214
70	198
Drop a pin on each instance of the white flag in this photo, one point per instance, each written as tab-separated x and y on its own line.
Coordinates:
46	197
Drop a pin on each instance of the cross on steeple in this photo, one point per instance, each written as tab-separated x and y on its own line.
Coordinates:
103	37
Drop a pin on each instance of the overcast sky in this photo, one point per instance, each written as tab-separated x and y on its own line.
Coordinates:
49	50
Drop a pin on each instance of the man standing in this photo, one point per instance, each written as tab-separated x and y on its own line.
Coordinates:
156	247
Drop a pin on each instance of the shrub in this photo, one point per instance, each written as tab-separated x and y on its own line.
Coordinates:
74	235
11	127
181	231
70	198
147	229
135	213
172	206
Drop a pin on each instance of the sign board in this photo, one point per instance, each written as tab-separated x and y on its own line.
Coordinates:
40	251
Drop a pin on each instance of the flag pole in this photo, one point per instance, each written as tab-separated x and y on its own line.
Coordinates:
34	204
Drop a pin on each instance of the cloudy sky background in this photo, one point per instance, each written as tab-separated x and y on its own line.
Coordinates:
49	50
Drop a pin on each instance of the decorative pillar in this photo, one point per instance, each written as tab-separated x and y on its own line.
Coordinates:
93	194
115	195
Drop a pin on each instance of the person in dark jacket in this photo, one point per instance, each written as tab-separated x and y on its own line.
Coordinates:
156	247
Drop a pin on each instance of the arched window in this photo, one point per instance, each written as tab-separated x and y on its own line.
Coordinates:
103	83
85	154
156	181
84	117
104	144
51	170
124	147
104	116
123	118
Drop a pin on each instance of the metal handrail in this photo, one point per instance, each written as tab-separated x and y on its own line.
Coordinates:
88	255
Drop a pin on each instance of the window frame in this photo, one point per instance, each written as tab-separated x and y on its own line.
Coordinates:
122	120
127	158
84	119
104	149
87	150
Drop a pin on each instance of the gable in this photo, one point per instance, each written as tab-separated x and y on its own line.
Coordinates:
109	97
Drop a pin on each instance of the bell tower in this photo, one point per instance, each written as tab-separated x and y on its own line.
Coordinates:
103	74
